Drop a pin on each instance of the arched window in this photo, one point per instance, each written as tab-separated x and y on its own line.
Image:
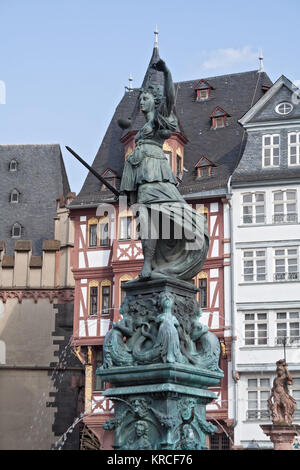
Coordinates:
15	196
16	230
13	165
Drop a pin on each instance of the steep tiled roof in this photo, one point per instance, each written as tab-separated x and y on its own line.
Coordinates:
40	179
235	93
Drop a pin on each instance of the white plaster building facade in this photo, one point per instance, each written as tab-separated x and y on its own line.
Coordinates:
265	201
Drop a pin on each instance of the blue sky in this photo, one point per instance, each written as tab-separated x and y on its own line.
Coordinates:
65	63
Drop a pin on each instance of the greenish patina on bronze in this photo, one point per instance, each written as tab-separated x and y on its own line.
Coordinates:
149	181
159	359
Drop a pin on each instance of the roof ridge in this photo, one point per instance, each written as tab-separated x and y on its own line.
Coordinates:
217	76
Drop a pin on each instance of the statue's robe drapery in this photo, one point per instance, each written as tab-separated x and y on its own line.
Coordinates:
147	173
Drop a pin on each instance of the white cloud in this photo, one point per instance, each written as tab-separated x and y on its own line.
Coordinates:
223	58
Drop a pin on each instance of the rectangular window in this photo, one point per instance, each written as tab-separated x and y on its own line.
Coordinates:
285	206
125	228
103	234
258	394
254	265
219	442
93	300
123	293
286	264
93	235
256	329
202	94
294	148
178	165
296	394
270	150
253	205
99	385
105	300
203	292
288	327
219	122
169	157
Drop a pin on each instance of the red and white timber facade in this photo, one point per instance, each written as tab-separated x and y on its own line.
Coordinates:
100	267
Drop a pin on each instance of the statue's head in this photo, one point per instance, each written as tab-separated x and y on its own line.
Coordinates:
187	407
151	97
140	407
188	432
141	428
166	300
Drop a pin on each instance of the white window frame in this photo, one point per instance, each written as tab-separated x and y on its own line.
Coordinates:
270	147
287	275
255	258
15	192
219	122
295	387
285	217
253	204
13	165
291	340
16	225
203	94
260	412
93	232
127	220
284	103
256	319
292	145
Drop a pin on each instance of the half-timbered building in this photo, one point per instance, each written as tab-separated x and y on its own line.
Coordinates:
107	250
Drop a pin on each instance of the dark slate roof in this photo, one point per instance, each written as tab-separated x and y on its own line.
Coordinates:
249	169
235	93
40	179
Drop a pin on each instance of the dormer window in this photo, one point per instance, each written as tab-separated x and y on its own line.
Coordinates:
16	230
14	196
203	89
219	118
205	168
219	122
204	172
202	94
13	165
110	176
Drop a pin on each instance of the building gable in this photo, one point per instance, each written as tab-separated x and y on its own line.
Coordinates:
272	151
266	109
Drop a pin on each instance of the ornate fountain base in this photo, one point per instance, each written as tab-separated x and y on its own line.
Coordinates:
159	376
282	435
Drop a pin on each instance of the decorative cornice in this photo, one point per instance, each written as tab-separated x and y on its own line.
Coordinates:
61	296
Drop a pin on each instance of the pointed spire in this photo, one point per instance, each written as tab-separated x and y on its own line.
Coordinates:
156	37
130	82
261	62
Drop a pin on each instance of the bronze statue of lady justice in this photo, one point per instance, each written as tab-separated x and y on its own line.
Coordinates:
148	180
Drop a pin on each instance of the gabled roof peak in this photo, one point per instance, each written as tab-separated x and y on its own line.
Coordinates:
203	85
218	111
281	81
204	161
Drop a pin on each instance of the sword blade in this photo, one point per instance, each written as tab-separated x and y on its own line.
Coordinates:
109	186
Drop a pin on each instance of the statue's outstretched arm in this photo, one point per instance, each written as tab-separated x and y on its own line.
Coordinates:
169	90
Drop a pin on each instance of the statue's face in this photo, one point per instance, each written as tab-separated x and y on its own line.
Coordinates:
147	102
139	429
